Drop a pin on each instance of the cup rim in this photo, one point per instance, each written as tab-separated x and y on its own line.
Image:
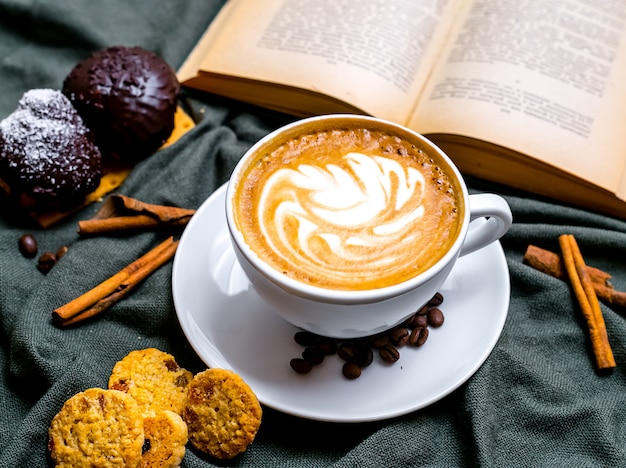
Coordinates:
341	296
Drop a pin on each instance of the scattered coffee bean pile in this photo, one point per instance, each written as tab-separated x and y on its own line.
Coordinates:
358	353
28	247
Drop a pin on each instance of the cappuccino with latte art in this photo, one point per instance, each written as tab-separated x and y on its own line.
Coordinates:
350	207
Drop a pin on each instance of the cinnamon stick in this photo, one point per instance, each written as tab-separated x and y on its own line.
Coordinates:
115	288
123	223
121	213
582	285
616	300
551	264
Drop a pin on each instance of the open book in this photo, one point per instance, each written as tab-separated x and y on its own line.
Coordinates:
526	93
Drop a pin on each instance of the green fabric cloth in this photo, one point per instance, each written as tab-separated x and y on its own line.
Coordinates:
536	401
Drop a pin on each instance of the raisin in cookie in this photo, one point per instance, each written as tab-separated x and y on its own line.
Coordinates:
153	378
97	427
222	413
165	440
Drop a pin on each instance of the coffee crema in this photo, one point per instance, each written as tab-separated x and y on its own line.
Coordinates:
351	208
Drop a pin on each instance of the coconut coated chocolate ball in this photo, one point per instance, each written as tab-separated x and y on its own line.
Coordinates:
48	157
127	96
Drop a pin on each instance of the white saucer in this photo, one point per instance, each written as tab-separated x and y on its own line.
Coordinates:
229	327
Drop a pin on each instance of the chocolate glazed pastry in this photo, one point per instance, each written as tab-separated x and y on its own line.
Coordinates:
47	155
127	96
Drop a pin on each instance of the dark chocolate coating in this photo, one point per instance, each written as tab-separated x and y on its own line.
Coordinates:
48	157
127	96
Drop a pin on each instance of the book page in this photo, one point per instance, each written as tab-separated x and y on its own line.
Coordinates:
374	54
542	77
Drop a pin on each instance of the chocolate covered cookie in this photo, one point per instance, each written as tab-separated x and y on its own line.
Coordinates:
127	96
48	157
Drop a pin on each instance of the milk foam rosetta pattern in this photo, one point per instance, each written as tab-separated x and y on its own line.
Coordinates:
332	218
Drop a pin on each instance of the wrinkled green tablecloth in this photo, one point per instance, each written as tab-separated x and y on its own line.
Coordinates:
536	401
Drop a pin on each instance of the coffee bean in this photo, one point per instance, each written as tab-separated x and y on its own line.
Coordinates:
364	357
380	340
27	245
305	338
351	371
420	321
408	322
423	337
347	351
399	336
436	300
389	353
300	365
46	262
418	336
435	317
423	310
328	346
313	354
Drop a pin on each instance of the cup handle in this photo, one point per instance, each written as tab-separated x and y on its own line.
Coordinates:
490	219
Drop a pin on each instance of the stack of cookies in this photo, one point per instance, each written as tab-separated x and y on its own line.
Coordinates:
150	410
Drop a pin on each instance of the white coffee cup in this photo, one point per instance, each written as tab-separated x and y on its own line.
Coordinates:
343	313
